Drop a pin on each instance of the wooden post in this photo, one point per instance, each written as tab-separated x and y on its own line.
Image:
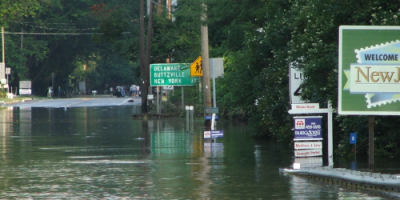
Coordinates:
143	79
371	161
205	57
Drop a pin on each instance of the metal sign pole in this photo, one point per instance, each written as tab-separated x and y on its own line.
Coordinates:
187	117
213	77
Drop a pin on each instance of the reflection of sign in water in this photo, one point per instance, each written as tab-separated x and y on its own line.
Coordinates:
309	162
213	147
307	128
213	134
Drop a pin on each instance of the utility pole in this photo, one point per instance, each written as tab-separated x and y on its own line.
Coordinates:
205	57
145	57
143	78
3	67
159	7
149	43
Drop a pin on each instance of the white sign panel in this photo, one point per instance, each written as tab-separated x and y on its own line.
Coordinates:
25	91
216	67
308	145
305	106
308	153
309	162
296	78
168	87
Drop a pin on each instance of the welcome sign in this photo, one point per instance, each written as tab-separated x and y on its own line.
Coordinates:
369	70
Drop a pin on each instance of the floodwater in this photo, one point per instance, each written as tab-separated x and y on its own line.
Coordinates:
104	153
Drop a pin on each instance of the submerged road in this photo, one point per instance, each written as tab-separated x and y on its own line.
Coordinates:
83	101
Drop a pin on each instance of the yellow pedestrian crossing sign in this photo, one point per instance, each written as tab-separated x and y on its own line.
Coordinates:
196	68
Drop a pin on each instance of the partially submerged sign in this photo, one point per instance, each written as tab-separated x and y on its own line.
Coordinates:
213	134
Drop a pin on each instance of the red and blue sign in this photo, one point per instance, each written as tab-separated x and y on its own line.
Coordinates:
307	128
213	134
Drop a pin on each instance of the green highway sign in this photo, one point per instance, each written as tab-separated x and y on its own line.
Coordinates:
176	74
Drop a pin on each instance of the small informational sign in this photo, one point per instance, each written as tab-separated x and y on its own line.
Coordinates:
307	128
213	147
213	134
168	87
208	118
308	145
353	138
307	152
25	92
296	78
216	67
305	106
211	110
82	86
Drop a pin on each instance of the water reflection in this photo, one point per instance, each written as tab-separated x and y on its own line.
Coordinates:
102	153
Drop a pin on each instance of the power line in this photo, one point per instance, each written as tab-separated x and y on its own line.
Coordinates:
61	29
24	33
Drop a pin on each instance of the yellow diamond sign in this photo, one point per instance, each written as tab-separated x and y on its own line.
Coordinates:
196	68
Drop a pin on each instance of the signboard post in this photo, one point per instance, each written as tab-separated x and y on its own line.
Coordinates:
353	140
173	74
369	74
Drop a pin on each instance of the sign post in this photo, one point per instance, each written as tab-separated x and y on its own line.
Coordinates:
369	74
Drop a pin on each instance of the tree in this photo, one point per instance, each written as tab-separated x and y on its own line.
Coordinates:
14	10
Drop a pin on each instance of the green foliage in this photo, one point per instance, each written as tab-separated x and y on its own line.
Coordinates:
3	93
11	10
